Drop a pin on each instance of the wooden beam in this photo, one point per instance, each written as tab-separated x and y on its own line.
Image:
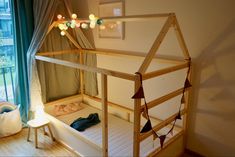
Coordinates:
81	74
52	53
166	144
137	107
186	106
180	38
111	104
165	71
72	39
161	125
104	120
87	68
63	100
162	99
51	27
121	53
156	45
135	17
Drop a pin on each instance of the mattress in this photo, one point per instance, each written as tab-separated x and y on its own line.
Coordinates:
120	132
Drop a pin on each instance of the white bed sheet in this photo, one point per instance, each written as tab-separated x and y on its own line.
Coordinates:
120	132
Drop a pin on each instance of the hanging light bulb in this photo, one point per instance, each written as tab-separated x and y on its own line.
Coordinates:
61	26
92	17
62	33
65	27
92	24
74	16
73	23
59	17
84	26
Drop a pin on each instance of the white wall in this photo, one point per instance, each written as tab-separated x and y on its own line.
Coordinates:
209	30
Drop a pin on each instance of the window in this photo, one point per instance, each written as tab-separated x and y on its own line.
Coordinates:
7	55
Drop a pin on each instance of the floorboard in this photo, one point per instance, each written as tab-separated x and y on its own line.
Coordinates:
17	145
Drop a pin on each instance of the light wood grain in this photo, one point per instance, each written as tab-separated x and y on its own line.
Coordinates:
53	53
17	145
162	99
104	92
135	17
180	38
87	68
161	125
75	43
137	107
188	94
166	144
156	45
137	137
165	70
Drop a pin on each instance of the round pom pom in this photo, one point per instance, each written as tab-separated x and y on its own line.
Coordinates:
74	16
62	33
84	26
99	22
59	17
92	17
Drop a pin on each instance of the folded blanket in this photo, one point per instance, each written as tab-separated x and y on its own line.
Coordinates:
81	124
64	109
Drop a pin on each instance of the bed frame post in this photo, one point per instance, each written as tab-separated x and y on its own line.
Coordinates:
81	74
104	120
137	109
186	105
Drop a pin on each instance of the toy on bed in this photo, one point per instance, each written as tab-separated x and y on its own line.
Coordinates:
10	121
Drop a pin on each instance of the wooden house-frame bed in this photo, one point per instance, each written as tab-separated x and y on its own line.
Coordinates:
137	138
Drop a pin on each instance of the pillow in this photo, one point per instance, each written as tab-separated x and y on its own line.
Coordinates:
64	109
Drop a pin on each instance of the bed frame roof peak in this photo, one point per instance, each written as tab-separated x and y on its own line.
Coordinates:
171	22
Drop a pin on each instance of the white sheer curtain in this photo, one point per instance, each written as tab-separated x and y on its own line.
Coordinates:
44	11
90	78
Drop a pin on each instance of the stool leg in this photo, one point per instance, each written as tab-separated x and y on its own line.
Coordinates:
53	139
45	133
28	134
36	138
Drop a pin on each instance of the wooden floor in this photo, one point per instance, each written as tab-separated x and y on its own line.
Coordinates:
17	145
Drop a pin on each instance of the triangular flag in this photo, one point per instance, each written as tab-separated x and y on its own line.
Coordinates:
154	135
162	139
178	116
139	94
147	127
182	100
187	83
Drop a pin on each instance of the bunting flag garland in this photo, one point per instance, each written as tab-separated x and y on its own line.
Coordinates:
145	114
187	84
139	94
155	135
148	126
182	99
162	139
178	116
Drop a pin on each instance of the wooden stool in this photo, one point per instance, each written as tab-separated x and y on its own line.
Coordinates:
36	124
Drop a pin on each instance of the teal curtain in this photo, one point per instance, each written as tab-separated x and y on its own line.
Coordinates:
22	11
